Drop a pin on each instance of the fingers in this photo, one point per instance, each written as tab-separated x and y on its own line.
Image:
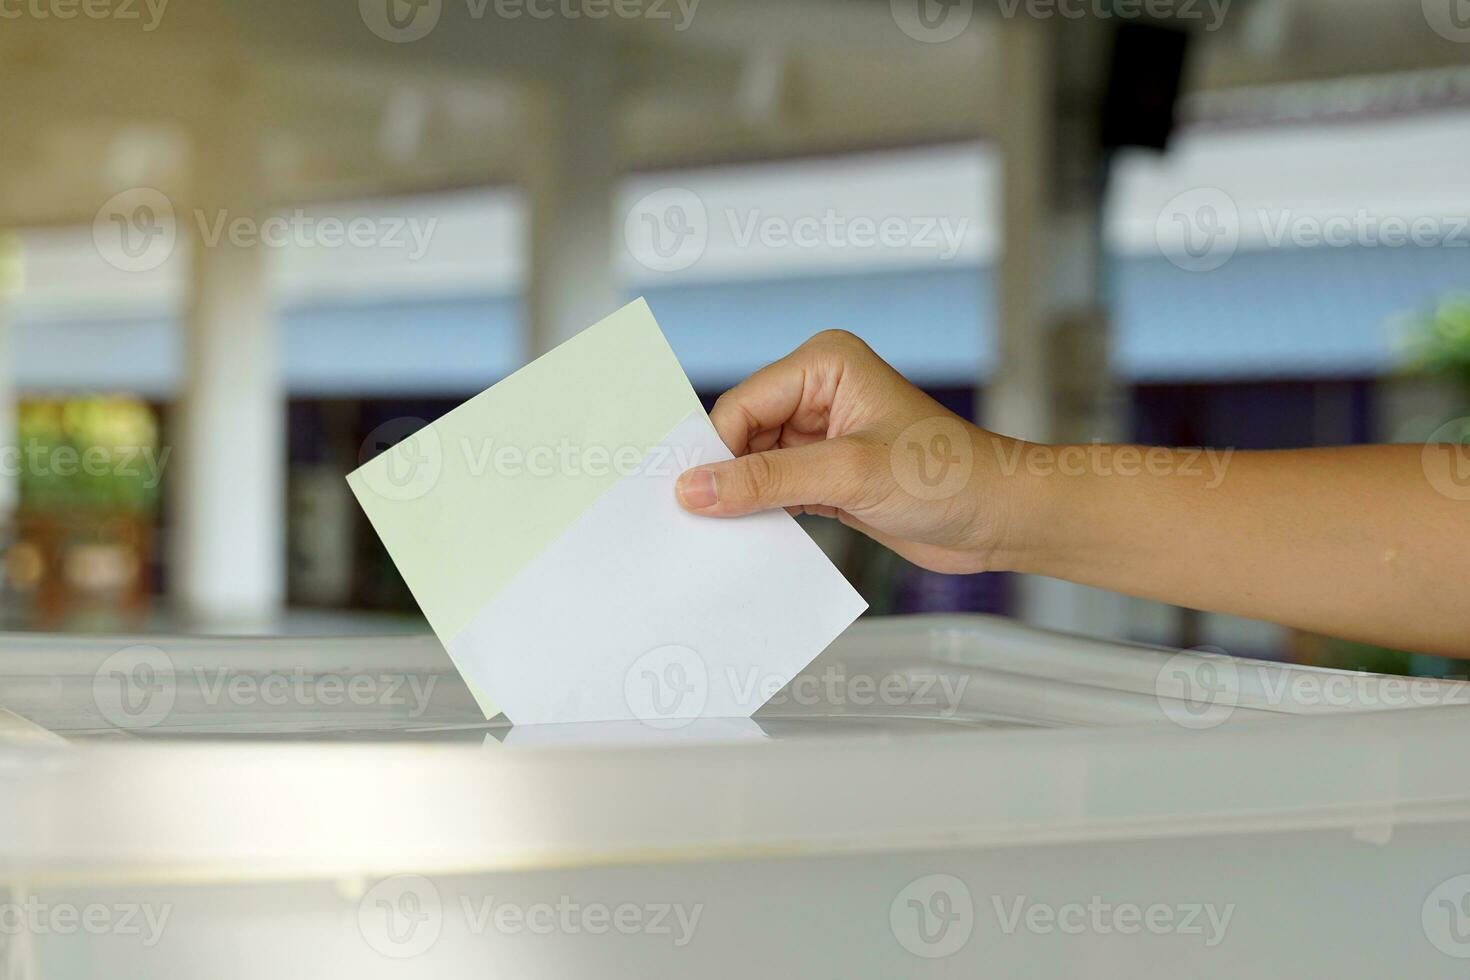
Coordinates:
761	403
795	392
830	473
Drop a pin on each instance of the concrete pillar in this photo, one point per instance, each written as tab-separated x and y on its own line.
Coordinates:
571	182
1018	398
1052	381
228	543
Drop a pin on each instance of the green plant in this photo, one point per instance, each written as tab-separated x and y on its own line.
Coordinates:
92	454
1439	343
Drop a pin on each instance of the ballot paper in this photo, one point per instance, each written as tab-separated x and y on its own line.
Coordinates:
536	525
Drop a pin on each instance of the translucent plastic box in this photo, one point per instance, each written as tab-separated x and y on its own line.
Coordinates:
934	797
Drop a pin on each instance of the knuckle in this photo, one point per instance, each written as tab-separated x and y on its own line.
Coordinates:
729	408
757	477
839	349
840	339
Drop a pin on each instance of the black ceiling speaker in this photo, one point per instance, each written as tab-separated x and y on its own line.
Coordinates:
1143	85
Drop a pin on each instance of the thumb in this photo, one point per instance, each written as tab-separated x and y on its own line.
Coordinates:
827	472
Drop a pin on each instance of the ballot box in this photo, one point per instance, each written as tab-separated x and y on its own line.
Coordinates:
933	797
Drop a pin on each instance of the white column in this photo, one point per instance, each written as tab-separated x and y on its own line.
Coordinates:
571	181
1018	400
1052	380
228	541
10	283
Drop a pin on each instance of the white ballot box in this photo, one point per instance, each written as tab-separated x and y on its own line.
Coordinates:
933	797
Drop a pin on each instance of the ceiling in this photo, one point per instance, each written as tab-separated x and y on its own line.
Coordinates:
116	97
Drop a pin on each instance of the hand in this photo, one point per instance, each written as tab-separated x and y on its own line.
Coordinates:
833	430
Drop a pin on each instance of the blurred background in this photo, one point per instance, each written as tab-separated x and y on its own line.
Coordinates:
248	245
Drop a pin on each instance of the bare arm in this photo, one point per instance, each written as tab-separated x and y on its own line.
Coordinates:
1353	542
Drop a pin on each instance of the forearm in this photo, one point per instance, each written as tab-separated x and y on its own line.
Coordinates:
1352	542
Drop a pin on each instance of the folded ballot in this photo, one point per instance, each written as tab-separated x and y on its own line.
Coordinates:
537	526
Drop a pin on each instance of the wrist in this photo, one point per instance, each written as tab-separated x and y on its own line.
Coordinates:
1022	489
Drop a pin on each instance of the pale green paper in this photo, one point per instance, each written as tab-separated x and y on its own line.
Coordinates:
459	536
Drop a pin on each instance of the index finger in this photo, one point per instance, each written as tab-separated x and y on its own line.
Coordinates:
763	402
